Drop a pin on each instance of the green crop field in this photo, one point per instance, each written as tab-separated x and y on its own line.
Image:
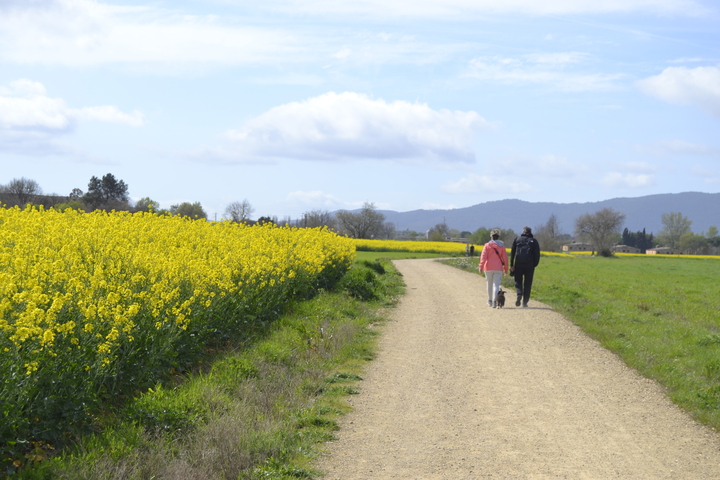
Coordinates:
659	314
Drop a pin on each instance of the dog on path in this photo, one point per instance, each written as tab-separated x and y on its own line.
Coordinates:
500	299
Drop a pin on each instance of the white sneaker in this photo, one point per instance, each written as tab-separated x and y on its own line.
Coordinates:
490	303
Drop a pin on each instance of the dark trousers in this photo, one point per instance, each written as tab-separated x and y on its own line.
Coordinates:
523	282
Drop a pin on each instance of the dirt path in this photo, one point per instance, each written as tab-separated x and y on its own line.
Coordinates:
463	391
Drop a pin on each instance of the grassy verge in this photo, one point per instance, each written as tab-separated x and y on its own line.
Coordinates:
660	315
255	412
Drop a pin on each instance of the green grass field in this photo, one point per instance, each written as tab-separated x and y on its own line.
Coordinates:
661	315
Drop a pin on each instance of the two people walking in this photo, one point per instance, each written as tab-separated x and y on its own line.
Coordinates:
524	257
494	262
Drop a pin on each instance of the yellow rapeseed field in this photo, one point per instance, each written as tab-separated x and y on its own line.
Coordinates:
93	303
452	248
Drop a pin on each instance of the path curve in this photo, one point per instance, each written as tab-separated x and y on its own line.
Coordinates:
463	391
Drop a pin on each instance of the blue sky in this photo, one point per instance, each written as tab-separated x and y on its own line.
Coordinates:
327	104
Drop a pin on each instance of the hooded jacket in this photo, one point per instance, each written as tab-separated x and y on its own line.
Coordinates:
534	250
494	257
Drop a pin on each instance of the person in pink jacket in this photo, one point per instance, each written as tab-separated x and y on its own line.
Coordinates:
494	262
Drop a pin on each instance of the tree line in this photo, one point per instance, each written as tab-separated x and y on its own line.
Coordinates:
600	229
103	193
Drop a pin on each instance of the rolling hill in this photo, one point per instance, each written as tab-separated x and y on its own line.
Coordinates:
703	209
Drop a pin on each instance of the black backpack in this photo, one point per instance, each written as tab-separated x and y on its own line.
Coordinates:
523	251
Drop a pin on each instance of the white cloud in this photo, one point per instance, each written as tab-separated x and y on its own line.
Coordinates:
86	32
677	147
343	54
315	198
474	183
89	32
36	112
31	123
438	206
553	166
550	69
336	126
108	113
627	180
463	8
704	172
686	86
25	105
639	167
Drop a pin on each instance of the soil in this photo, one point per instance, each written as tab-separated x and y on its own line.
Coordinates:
460	390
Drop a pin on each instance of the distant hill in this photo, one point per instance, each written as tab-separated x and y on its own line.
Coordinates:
642	212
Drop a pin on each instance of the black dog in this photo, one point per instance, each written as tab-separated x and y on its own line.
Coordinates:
500	299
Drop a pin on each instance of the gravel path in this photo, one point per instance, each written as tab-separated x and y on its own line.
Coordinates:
463	391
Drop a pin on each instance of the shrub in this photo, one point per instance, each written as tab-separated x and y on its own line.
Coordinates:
359	282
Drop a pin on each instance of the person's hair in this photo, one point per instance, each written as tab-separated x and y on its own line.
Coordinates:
526	230
495	233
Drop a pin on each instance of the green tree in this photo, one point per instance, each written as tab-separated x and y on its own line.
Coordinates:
693	244
73	204
675	225
267	219
106	192
190	210
601	229
480	236
367	223
147	204
638	239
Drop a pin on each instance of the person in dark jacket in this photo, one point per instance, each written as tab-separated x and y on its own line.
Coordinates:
524	257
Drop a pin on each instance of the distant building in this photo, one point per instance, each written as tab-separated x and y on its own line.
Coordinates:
624	249
578	247
663	251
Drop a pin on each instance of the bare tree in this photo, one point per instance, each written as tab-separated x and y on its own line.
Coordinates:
388	231
675	225
317	218
239	211
367	223
24	190
600	228
548	234
439	233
